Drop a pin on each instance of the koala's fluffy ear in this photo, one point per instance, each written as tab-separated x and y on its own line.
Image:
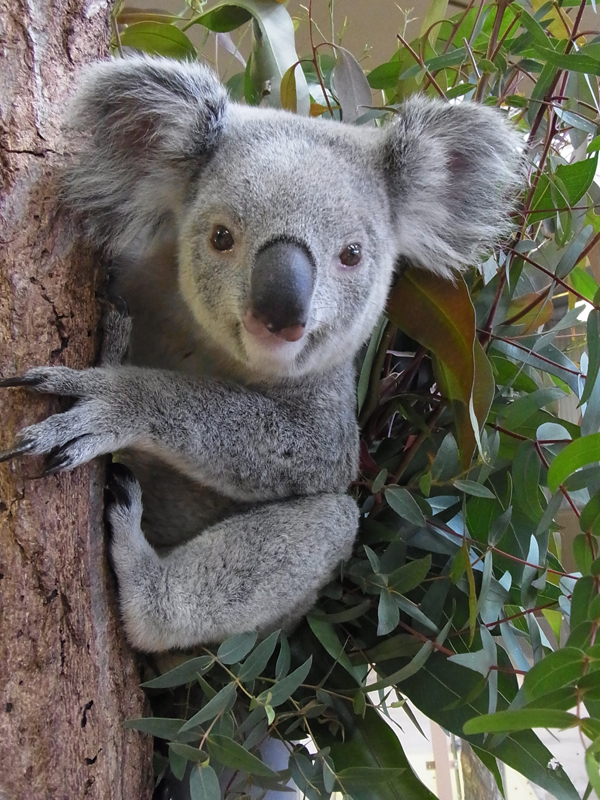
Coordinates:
149	124
452	171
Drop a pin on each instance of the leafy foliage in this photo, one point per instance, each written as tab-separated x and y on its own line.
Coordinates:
456	586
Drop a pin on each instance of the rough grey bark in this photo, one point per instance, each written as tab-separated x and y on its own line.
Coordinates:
67	679
479	783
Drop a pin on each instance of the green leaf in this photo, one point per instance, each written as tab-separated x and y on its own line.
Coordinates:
289	97
326	634
204	784
582	554
450	335
354	612
160	39
363	777
589	521
436	11
258	660
573	252
521	720
479	661
535	29
409	576
367	365
184	673
283	659
575	455
156	726
388	614
286	687
440	683
574	62
473	488
556	670
370	742
576	179
525	407
379	481
564	699
223	19
350	85
594	611
451	59
403	644
405	672
583	282
526	470
404	504
385	76
274	49
221	702
236	647
583	594
459	90
177	763
593	343
591	766
189	753
231	754
415	612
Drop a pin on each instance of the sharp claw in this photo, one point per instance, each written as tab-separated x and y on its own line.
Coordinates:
21	380
18	450
56	462
120	305
116	484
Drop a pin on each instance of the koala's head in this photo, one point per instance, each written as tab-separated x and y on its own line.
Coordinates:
288	228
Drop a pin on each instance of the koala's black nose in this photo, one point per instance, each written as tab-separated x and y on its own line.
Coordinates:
281	288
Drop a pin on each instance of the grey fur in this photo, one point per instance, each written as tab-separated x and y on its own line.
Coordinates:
244	444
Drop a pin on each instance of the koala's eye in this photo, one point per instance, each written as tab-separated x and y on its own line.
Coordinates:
350	255
221	238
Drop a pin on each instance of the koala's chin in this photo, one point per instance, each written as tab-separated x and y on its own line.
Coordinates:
266	354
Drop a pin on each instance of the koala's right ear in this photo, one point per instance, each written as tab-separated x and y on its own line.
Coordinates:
150	125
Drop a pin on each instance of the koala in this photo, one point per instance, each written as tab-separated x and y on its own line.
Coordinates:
254	250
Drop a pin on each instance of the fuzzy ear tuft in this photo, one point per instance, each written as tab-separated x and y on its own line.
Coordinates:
453	171
150	124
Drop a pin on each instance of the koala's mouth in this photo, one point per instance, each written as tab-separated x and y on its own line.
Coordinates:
269	353
270	335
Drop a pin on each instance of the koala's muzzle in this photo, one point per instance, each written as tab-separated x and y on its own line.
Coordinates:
281	290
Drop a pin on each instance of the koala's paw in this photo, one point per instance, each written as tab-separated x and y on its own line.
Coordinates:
116	326
123	515
124	509
87	430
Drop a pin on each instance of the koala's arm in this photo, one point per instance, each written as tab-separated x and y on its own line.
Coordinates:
297	438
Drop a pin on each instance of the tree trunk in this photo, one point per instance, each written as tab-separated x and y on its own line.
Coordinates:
479	783
67	679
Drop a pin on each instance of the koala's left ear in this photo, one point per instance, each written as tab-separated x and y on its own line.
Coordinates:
151	125
452	172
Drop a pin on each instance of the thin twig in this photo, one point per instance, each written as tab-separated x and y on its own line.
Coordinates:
421	63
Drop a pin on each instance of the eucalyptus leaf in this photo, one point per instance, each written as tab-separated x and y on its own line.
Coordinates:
231	754
284	688
404	504
221	702
158	38
350	85
182	674
204	784
236	647
258	660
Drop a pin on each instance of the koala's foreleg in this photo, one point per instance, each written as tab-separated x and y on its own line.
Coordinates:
259	570
249	445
